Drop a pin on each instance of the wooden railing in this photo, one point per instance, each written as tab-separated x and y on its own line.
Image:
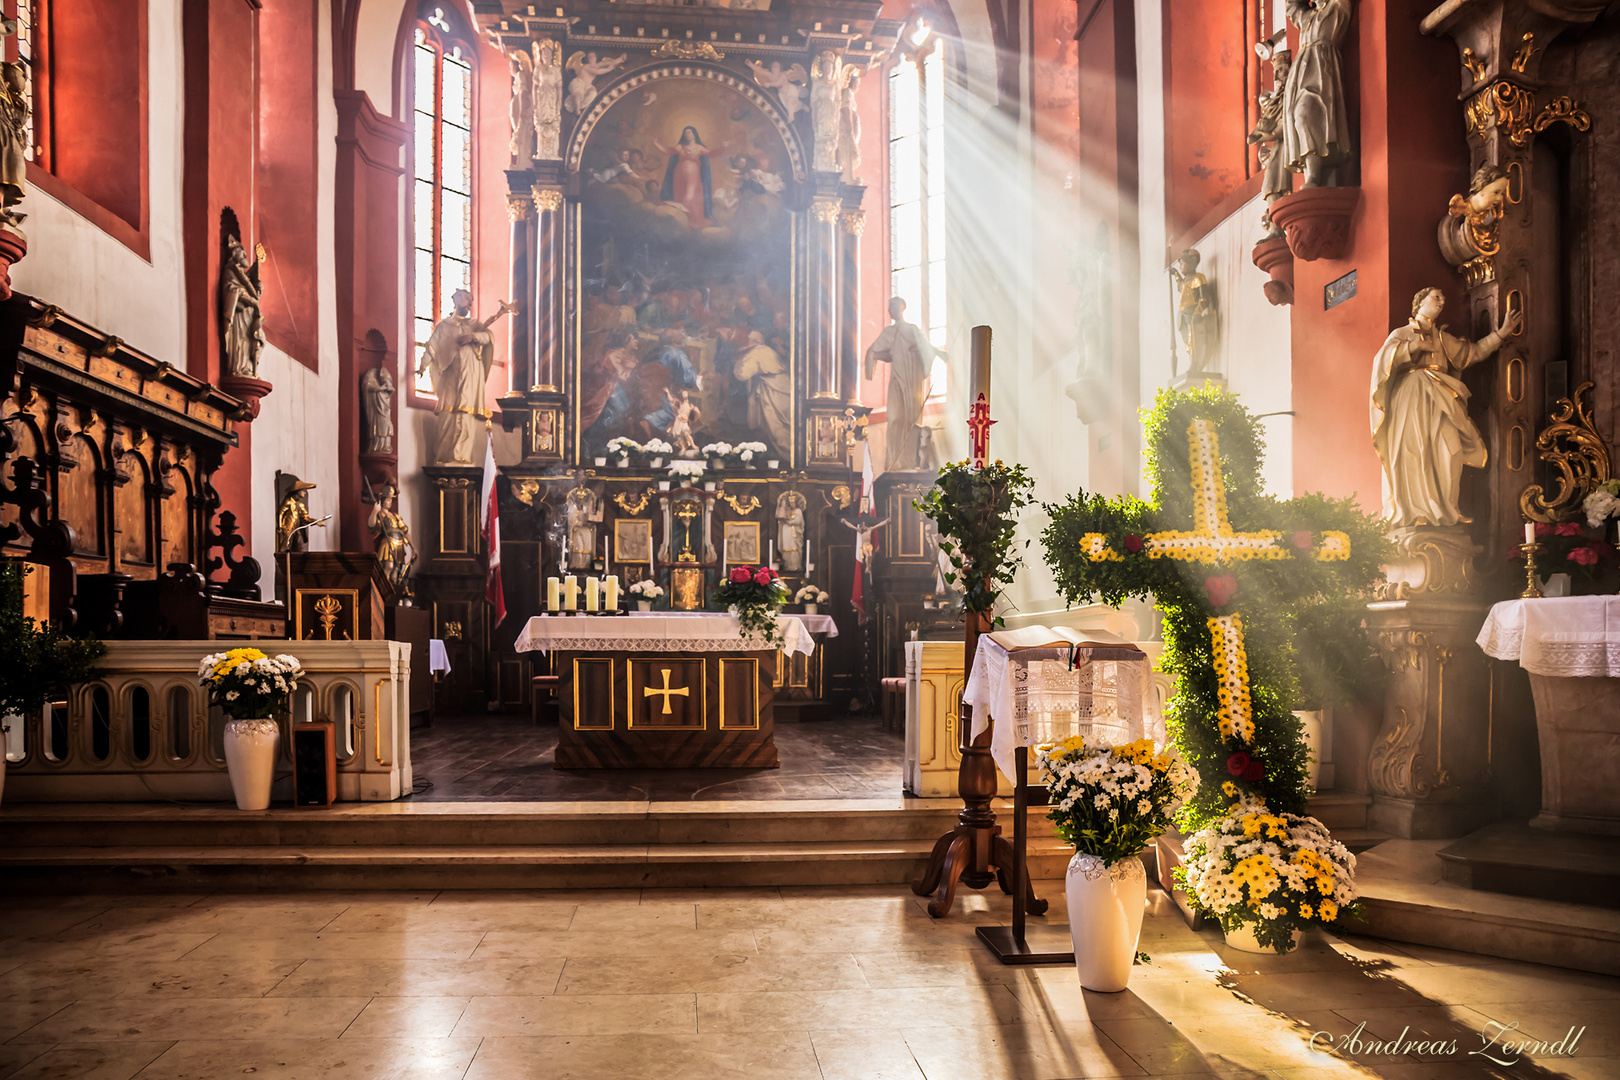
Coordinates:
143	729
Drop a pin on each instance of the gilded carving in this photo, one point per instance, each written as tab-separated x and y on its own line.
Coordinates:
743	504
854	222
1473	65
1563	110
1477	272
1429	562
840	494
824	210
1395	766
327	607
1502	105
687	50
518	207
548	199
635	505
525	491
1579	458
1527	49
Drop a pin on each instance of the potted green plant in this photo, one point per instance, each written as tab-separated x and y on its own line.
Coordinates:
37	661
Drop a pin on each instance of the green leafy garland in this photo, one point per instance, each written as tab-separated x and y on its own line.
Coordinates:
976	511
1270	594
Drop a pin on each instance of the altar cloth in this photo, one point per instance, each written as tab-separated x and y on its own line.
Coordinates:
1035	698
655	632
1561	637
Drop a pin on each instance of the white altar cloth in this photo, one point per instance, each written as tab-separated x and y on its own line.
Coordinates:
655	632
1035	698
1562	637
438	657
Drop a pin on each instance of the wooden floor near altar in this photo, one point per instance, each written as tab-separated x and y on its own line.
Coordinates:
852	983
509	759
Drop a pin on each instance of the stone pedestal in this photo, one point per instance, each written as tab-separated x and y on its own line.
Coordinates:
1274	259
1429	768
1317	221
1578	723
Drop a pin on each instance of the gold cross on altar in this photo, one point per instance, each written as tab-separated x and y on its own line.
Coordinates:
683	691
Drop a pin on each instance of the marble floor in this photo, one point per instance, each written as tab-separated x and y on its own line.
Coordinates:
794	983
510	759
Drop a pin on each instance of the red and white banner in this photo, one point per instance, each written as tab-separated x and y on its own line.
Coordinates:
493	592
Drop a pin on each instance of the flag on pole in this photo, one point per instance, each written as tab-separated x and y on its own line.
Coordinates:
863	511
493	592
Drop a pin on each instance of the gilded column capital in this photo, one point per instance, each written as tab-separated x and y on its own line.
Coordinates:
854	222
518	207
548	199
825	210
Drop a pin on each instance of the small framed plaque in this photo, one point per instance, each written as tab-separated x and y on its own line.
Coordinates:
632	540
742	543
1338	291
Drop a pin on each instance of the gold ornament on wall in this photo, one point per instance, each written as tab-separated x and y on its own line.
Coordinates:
525	491
634	505
1563	110
687	50
1578	455
548	199
743	504
1502	105
1527	49
1473	65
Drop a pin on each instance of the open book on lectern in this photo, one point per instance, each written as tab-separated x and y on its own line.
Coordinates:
1067	637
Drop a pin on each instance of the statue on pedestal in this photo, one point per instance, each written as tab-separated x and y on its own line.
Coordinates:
1195	313
16	135
241	322
583	509
849	125
395	552
457	357
790	506
377	397
1420	424
1277	181
522	144
826	88
293	520
910	356
1316	126
548	95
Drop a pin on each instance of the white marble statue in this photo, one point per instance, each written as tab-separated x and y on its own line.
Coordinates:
377	398
582	87
1420	424
790	506
1316	125
826	87
457	358
789	84
849	126
522	109
241	322
584	512
910	356
548	97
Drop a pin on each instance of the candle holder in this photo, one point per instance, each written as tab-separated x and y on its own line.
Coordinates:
1532	589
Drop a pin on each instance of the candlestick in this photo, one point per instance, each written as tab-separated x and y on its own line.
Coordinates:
553	594
611	601
1529	532
571	593
1532	588
592	590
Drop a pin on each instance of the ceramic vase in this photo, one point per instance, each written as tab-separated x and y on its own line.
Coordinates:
1105	918
772	464
811	609
1556	585
1242	939
656	463
250	759
644	605
623	463
599	462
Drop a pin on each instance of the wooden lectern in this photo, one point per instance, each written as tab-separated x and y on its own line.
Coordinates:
337	596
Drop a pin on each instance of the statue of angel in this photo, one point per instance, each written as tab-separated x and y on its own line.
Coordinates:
522	109
789	84
582	88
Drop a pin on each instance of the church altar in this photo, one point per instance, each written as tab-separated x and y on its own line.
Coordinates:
664	691
1570	646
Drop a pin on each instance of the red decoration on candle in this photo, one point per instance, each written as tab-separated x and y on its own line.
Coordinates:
979	430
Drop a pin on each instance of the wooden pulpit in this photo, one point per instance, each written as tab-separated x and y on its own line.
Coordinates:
337	596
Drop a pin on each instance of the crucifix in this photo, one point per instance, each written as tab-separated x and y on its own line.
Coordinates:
682	691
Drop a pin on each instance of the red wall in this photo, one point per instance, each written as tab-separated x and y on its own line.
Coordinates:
288	184
1208	80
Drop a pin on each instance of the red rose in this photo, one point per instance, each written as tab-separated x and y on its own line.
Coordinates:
1238	763
762	578
740	575
1302	539
1221	589
1254	772
1133	543
1585	555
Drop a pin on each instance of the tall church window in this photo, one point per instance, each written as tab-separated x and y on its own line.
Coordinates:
917	194
441	209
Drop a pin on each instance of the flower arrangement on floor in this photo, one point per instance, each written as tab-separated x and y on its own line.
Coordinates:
1111	802
758	594
1268	875
810	596
646	591
248	685
977	511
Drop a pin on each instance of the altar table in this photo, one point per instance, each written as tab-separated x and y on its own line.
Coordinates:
662	691
1571	647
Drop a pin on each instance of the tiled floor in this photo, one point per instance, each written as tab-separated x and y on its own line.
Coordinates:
510	759
812	983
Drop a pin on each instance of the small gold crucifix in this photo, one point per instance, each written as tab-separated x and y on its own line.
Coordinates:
649	691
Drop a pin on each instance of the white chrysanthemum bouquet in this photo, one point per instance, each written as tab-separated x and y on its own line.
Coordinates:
248	685
1280	872
1111	802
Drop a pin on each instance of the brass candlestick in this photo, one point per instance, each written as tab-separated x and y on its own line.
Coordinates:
1532	590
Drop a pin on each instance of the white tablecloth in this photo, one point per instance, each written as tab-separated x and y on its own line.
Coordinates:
655	632
1565	636
1035	698
816	624
438	658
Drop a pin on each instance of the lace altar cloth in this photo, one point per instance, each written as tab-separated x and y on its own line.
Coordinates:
696	632
1035	698
1563	636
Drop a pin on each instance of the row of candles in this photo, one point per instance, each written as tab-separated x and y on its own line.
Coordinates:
562	594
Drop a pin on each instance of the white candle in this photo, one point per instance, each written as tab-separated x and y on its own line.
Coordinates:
604	552
591	593
1529	532
611	603
553	594
571	593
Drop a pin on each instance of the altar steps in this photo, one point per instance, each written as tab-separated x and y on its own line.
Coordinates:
59	848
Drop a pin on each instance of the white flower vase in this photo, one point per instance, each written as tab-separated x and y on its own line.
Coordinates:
250	759
623	462
644	605
656	463
1105	918
1556	585
772	463
811	609
1242	939
599	462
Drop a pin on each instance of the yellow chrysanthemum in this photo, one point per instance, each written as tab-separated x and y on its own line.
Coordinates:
1329	910
1305	912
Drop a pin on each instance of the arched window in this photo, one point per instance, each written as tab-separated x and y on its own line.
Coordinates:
917	191
441	72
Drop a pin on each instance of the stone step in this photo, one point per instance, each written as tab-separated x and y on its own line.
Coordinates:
1339	809
487	866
